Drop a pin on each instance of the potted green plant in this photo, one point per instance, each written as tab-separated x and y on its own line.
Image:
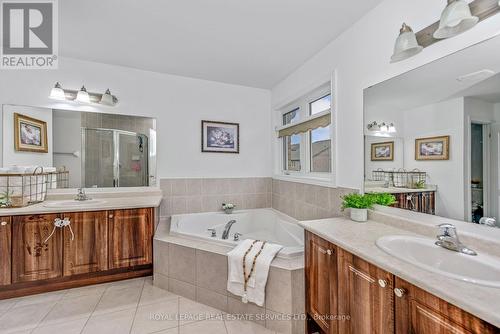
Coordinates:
384	199
358	205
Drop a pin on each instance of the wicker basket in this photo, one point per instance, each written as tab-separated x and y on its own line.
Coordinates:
23	189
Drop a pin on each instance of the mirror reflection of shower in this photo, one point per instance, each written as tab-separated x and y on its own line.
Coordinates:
114	158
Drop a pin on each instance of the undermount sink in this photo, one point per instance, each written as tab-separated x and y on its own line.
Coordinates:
422	252
72	203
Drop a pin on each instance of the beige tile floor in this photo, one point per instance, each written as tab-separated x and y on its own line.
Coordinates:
133	306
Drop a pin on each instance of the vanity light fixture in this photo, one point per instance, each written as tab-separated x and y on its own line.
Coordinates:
83	96
107	98
455	19
57	93
382	128
406	45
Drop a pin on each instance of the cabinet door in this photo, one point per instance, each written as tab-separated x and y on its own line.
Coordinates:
365	294
130	237
321	282
32	258
88	251
419	312
5	250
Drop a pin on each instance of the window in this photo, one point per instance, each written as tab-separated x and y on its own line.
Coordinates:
321	104
291	144
321	144
305	132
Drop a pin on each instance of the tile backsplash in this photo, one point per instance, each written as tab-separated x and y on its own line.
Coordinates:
207	195
305	202
301	201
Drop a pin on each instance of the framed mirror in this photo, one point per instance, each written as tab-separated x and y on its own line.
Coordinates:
80	149
432	136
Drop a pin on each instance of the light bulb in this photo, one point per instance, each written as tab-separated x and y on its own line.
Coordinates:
57	93
384	128
83	96
392	128
107	98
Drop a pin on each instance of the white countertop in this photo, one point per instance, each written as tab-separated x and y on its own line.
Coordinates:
359	239
108	200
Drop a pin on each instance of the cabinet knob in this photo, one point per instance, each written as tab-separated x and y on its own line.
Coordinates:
110	216
382	283
3	223
329	252
399	292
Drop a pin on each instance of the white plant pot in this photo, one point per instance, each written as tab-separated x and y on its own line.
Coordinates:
359	215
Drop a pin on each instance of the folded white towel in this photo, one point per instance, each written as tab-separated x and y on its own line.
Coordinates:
256	286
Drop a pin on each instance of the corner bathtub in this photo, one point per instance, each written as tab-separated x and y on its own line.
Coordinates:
261	224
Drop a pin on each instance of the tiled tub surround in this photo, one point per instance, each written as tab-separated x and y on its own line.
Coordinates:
306	202
198	270
207	194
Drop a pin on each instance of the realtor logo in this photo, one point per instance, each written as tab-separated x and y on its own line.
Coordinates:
29	34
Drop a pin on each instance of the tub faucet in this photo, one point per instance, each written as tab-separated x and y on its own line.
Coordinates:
227	228
448	239
81	195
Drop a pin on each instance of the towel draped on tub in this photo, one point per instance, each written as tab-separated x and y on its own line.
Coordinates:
256	285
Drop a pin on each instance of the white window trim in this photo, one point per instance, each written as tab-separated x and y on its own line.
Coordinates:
322	179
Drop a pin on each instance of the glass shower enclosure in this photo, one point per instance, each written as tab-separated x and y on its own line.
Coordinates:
114	158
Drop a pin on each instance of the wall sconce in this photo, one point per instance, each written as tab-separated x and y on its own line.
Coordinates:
381	128
82	96
57	93
406	45
455	19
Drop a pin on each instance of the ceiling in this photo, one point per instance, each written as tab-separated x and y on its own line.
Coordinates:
437	81
253	43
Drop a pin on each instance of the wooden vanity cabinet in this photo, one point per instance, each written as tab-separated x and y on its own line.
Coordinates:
420	312
130	237
366	299
5	250
321	282
107	246
87	252
34	259
365	294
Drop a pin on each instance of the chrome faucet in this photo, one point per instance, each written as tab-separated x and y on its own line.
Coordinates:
227	228
81	195
448	238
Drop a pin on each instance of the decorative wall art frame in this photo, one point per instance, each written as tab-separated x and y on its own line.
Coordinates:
220	137
30	134
432	148
383	151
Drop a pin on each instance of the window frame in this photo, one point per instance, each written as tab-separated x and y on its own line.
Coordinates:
303	104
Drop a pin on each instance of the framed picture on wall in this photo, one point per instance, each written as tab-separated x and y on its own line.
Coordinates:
30	134
220	137
383	151
433	148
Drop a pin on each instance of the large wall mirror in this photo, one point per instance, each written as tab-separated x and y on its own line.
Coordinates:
84	149
432	136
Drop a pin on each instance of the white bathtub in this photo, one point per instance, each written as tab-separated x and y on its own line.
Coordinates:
261	224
